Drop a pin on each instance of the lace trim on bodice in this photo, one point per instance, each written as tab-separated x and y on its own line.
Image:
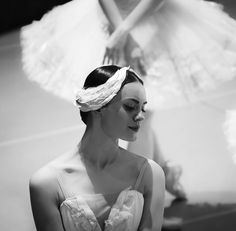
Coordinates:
125	213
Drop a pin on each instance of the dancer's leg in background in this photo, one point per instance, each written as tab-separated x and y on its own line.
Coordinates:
147	145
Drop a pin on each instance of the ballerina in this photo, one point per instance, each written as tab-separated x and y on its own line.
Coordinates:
100	186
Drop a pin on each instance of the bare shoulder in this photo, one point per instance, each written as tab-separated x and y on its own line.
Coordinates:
156	168
47	175
45	199
154	174
133	158
152	166
44	181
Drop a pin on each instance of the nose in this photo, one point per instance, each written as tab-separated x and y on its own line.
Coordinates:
139	117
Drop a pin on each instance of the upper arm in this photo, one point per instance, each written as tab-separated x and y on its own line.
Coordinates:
154	192
44	202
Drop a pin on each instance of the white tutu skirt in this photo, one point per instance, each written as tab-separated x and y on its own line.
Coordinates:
188	45
230	132
61	49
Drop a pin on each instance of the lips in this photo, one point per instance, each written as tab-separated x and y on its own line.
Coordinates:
134	128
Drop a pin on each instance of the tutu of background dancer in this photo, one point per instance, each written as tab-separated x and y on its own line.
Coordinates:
185	45
100	186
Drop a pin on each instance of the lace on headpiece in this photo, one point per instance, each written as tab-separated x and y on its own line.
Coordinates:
94	98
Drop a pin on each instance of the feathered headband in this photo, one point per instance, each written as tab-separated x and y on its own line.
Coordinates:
94	98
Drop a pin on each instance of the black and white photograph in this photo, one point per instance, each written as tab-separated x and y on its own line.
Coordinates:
118	115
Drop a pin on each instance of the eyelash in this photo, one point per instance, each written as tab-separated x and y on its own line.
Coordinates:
130	108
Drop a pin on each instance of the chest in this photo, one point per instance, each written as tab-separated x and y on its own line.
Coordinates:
98	191
87	181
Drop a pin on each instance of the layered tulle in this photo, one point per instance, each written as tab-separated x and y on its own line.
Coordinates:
192	49
61	49
189	46
124	215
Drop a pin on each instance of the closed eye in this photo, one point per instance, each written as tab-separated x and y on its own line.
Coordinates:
132	108
129	108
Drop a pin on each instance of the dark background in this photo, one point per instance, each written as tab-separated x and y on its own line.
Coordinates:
15	13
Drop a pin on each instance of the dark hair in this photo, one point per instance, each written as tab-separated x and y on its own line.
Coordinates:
100	75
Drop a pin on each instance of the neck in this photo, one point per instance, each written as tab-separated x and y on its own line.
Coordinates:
97	149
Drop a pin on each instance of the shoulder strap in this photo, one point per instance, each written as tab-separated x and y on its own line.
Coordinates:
141	173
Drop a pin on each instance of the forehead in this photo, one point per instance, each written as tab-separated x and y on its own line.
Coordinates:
134	90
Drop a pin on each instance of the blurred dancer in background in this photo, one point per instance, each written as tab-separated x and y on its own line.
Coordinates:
181	47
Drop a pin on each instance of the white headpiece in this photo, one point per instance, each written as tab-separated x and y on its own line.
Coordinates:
94	98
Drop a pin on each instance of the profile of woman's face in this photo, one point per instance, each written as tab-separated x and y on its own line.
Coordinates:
122	117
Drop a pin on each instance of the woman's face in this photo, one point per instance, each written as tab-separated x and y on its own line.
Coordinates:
122	117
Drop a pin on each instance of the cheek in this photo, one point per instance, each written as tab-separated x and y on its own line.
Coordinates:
113	122
121	120
123	116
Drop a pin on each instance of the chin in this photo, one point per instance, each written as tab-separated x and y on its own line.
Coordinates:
130	138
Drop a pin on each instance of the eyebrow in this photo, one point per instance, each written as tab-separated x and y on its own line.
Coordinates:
136	101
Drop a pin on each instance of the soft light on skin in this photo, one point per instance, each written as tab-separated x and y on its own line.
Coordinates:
122	117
